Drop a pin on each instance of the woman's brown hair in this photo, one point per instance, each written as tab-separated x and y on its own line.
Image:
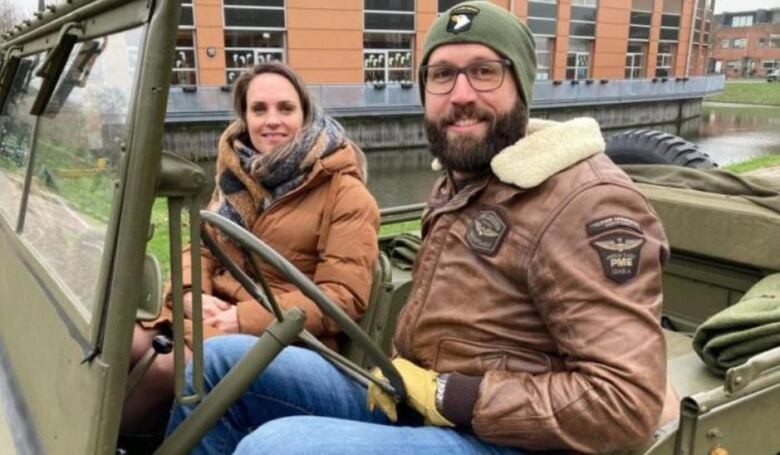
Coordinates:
242	85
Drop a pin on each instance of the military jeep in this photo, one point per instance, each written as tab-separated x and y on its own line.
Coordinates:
83	90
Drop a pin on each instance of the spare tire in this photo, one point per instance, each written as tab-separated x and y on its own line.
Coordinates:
656	147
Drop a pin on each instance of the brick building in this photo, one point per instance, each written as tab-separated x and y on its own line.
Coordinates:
746	44
379	41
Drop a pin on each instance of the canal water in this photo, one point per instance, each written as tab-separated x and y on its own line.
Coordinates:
729	133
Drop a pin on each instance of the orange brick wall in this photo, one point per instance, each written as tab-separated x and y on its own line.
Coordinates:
208	26
681	59
561	40
324	40
609	54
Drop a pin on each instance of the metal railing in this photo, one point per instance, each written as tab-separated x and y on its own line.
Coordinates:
205	103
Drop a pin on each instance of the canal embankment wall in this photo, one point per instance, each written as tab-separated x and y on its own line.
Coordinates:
391	117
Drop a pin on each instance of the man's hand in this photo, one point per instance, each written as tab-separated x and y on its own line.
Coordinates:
226	321
420	393
212	306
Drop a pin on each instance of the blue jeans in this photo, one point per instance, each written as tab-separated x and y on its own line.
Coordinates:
302	404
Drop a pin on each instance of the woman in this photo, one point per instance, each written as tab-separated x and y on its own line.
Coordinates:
286	172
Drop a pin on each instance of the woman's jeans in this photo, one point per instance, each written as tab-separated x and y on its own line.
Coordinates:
301	404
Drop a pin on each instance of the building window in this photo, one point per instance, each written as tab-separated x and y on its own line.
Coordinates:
388	44
184	64
388	15
635	60
253	34
762	42
639	28
583	20
578	59
544	53
742	21
444	5
670	27
725	43
774	40
664	60
769	65
542	18
589	3
387	58
734	66
739	43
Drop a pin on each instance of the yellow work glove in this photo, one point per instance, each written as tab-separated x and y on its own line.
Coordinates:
420	393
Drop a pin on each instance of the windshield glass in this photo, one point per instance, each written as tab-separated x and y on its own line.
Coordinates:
78	149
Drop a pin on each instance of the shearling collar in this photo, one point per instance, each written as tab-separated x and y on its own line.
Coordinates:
548	148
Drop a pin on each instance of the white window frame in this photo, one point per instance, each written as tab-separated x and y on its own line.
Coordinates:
632	67
255	51
742	21
739	43
386	68
543	72
577	66
193	49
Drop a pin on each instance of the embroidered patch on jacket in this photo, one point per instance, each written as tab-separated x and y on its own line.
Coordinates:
611	222
461	19
619	254
486	232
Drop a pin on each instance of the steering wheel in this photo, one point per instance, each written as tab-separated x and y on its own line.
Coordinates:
252	245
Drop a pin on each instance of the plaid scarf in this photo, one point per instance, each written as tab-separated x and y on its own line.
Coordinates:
248	182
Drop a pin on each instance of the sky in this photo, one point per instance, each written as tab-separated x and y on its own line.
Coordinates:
744	5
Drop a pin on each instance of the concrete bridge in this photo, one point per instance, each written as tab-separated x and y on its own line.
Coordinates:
390	116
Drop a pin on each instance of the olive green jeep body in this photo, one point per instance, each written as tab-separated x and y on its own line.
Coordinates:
83	92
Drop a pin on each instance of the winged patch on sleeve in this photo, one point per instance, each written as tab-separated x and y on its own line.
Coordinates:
619	254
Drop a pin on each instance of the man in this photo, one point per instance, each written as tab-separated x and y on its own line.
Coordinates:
534	319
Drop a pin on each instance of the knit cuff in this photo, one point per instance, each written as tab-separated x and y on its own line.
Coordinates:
460	396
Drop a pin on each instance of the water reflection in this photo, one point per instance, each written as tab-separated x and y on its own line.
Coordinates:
729	133
398	177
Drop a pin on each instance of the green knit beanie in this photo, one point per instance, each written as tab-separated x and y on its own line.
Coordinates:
486	23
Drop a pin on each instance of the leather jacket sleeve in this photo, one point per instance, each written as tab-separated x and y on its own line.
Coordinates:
610	392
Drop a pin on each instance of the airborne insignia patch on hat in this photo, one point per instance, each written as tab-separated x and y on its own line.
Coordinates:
461	19
486	232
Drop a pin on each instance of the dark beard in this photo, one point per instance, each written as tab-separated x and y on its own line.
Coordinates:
470	154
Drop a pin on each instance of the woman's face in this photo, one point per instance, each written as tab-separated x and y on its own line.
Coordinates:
273	111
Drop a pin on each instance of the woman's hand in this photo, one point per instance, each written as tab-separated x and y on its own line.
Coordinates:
226	321
212	306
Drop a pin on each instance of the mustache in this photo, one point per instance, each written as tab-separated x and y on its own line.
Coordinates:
467	111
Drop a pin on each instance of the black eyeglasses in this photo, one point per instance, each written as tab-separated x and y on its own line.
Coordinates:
483	76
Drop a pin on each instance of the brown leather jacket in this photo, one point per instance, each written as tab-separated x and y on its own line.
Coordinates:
540	286
327	227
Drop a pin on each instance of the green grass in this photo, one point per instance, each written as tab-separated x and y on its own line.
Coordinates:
755	163
764	93
399	228
158	246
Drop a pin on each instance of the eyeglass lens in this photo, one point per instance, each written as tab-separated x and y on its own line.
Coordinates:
483	76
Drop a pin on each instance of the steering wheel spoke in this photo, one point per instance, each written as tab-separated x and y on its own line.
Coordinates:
256	248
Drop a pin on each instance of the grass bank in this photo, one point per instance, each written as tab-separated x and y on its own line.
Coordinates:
762	93
753	164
